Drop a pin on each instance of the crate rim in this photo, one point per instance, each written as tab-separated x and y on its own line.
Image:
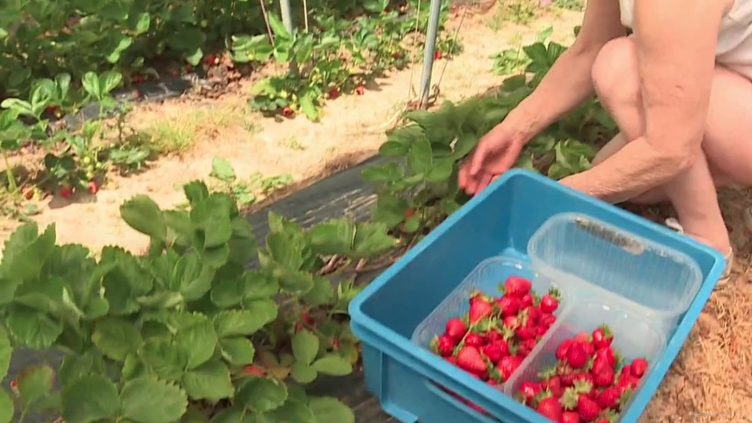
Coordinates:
673	345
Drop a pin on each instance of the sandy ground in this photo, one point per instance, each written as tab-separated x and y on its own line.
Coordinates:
710	382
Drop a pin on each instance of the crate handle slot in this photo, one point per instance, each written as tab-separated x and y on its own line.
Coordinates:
441	392
628	244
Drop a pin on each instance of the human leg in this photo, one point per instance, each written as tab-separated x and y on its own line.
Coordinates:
693	194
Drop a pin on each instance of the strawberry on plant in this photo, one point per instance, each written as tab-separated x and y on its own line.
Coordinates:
188	68
437	55
254	370
334	93
360	90
287	111
66	191
93	188
210	60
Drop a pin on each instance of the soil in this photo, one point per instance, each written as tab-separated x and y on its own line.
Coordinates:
711	381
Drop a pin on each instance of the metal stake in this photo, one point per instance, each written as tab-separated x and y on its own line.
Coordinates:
284	6
431	34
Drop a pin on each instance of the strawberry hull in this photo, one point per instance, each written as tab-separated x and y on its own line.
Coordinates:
405	374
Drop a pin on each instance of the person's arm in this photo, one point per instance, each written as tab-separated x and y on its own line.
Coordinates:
568	83
676	42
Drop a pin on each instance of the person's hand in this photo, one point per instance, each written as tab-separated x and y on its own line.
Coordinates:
496	153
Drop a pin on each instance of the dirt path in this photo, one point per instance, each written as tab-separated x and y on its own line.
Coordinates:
352	130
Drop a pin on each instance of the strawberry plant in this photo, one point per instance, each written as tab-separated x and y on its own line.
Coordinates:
184	331
244	192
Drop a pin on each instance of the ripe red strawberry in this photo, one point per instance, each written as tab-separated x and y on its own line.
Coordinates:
66	191
493	336
480	308
526	347
287	111
496	350
509	305
507	365
605	355
609	397
534	314
469	359
456	329
603	374
517	286
451	359
254	370
29	193
527	300
437	55
626	380
209	60
93	188
553	384
547	320
530	390
582	337
474	340
511	322
526	331
602	337
550	302
566	374
550	408
334	93
445	345
638	367
569	417
585	381
541	330
577	356
360	90
563	349
587	408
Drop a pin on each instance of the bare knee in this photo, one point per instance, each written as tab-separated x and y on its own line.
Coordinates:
615	73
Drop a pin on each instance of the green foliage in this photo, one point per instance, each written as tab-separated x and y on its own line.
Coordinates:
150	339
419	188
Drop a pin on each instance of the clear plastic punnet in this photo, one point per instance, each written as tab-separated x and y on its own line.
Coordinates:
595	260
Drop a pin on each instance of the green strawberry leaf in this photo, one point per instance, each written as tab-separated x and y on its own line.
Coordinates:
333	237
7	409
144	215
372	239
89	399
305	346
238	351
246	322
261	395
34	384
303	373
198	342
25	252
116	337
6	350
32	328
292	411
333	365
148	400
211	382
330	410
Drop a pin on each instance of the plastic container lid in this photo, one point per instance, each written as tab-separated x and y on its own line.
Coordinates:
585	251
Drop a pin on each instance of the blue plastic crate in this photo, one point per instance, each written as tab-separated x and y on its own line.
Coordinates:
498	222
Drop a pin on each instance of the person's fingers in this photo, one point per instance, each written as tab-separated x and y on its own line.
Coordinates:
483	182
479	156
510	156
462	177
